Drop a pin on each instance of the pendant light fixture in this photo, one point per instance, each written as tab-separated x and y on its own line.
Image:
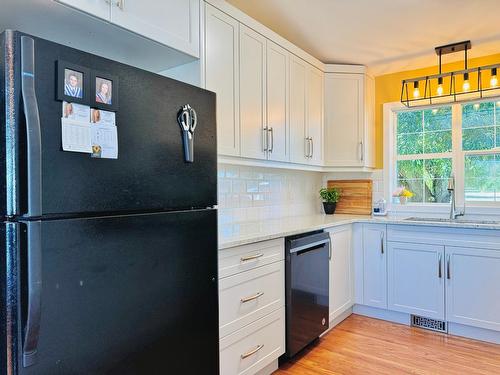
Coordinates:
442	87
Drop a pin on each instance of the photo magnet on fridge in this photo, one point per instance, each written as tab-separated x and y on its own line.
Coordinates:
73	83
104	91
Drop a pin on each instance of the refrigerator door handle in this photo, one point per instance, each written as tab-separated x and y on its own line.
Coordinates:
34	302
34	146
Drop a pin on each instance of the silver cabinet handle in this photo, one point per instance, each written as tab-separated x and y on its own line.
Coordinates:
312	146
251	257
265	135
330	250
362	156
448	274
251	298
120	4
272	139
439	266
251	352
382	242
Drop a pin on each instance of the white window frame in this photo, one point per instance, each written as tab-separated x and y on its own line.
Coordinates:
390	111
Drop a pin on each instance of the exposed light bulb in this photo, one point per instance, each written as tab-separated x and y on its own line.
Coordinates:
498	104
416	90
440	90
466	85
434	111
476	106
494	79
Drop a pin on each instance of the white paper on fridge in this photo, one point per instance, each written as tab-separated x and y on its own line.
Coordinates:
104	141
76	136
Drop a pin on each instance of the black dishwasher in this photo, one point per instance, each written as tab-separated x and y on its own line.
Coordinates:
307	288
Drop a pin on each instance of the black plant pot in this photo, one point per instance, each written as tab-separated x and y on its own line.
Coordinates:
329	208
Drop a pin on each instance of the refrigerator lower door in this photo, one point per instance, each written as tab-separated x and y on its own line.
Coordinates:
121	295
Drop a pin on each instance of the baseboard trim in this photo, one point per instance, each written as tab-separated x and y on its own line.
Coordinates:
455	329
375	312
269	369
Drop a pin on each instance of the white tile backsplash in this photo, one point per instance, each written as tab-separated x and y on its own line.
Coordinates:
249	194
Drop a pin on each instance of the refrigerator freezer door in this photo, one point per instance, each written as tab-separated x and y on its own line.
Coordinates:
127	295
150	173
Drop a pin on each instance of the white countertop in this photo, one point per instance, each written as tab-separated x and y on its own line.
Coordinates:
249	232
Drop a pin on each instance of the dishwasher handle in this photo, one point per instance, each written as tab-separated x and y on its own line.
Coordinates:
310	246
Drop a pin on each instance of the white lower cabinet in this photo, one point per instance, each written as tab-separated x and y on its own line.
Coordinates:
374	265
251	306
253	347
341	271
416	279
473	287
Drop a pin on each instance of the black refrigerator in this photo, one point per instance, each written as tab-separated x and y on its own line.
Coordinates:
107	266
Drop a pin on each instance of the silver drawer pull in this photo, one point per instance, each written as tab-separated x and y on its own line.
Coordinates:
251	352
251	298
251	257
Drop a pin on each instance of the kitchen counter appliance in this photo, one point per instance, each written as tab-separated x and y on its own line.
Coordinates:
307	289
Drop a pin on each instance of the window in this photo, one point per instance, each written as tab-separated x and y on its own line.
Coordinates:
433	144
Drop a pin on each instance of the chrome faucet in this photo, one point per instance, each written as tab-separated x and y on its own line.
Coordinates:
454	213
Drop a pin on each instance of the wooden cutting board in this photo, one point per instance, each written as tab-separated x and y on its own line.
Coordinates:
356	196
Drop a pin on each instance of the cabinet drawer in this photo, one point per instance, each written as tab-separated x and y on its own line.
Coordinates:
253	347
250	295
247	257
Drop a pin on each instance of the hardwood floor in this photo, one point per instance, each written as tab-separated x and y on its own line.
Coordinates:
361	345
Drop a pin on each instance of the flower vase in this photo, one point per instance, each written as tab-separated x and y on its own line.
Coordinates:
403	200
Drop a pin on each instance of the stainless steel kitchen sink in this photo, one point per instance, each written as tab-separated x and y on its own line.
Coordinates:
458	221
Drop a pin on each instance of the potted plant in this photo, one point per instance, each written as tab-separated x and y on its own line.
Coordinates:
403	194
330	198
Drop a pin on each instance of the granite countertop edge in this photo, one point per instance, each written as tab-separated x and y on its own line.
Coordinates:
226	242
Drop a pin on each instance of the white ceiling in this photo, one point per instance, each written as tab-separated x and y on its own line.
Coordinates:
385	35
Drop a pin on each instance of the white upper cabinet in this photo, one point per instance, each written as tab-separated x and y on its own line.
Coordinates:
314	96
416	279
253	130
222	76
349	120
341	271
374	265
473	287
299	144
97	8
277	102
174	23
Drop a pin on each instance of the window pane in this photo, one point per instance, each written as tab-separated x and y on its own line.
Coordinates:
478	138
437	119
409	122
435	142
482	175
477	115
416	187
409	144
426	179
426	131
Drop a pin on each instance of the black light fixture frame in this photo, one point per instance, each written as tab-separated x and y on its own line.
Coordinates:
455	96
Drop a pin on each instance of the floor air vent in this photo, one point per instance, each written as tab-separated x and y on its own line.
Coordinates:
427	323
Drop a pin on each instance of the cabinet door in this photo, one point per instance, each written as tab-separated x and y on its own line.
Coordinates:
416	279
252	94
174	23
315	114
344	108
472	287
98	8
374	266
299	146
277	101
341	272
222	76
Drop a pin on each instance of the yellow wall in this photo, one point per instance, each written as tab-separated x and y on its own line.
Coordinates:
388	89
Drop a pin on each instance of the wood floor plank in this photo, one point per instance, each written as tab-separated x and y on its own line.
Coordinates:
361	345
